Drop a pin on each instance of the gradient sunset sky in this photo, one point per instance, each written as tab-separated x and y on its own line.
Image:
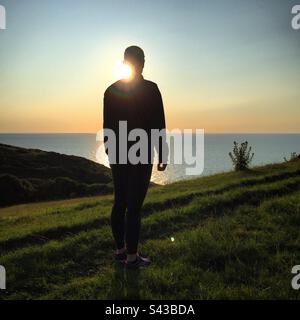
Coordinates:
225	66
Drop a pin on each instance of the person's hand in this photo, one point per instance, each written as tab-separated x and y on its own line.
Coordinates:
161	167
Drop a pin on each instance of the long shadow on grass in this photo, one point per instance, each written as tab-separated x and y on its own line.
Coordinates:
59	233
125	284
156	228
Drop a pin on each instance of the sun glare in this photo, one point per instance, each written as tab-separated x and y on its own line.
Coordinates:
122	71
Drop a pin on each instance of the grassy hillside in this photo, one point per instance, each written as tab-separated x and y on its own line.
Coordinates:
231	235
33	175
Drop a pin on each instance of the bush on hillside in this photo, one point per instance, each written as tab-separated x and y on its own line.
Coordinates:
98	188
14	190
241	156
293	157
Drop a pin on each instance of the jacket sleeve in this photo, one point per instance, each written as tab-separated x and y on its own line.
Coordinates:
160	114
160	123
106	116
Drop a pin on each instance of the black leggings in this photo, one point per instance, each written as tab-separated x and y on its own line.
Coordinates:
131	183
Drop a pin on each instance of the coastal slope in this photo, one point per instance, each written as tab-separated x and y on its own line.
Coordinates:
228	236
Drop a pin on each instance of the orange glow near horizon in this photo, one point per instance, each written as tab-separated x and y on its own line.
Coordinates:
242	77
64	99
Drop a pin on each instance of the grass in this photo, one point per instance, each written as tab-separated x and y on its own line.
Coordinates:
236	236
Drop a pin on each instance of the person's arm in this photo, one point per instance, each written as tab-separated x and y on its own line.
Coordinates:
106	116
163	149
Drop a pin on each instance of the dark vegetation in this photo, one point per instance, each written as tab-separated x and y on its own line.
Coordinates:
293	157
28	175
241	156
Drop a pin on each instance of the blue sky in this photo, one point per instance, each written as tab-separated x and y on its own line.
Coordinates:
225	66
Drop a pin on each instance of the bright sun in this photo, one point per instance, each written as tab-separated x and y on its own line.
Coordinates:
122	71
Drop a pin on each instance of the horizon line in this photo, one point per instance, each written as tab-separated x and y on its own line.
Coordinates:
41	133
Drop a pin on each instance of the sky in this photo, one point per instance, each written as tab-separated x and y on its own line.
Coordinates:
222	66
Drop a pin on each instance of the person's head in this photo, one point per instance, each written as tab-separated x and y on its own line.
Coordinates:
135	57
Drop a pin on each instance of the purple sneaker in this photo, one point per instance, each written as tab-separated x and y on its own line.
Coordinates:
140	262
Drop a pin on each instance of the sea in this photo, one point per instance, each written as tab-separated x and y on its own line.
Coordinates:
267	148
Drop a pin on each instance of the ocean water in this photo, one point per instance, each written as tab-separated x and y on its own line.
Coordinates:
268	148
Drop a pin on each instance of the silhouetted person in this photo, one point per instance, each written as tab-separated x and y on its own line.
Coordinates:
137	101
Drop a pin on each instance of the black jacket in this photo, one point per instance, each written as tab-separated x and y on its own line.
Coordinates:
139	103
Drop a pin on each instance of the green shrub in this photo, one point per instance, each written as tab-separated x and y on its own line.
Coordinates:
241	156
97	188
64	186
14	190
293	157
